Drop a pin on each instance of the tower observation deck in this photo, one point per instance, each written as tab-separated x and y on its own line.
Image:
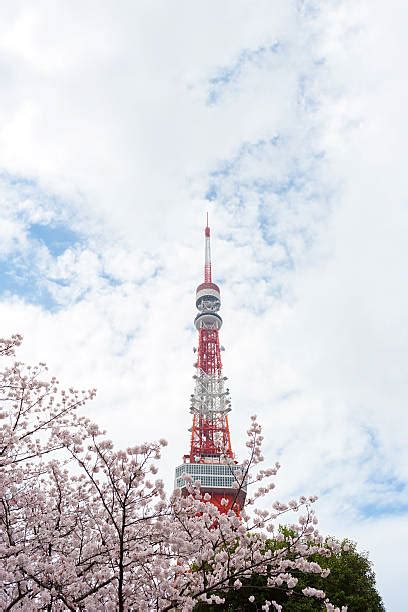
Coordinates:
211	460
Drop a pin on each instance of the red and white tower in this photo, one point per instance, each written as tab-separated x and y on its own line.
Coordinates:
211	460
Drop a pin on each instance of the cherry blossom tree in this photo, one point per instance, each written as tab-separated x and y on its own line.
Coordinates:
87	527
33	416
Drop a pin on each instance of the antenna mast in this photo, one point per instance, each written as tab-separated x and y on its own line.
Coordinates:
207	265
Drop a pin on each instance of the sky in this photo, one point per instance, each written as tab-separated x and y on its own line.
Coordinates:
121	125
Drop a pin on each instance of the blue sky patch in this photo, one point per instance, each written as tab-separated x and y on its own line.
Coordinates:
376	510
230	74
57	238
17	280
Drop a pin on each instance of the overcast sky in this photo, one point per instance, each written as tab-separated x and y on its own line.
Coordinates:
121	124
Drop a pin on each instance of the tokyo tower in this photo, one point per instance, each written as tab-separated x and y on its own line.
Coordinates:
211	460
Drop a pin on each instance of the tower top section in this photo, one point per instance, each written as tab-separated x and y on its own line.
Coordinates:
208	299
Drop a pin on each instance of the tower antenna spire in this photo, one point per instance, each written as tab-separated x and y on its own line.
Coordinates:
207	265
